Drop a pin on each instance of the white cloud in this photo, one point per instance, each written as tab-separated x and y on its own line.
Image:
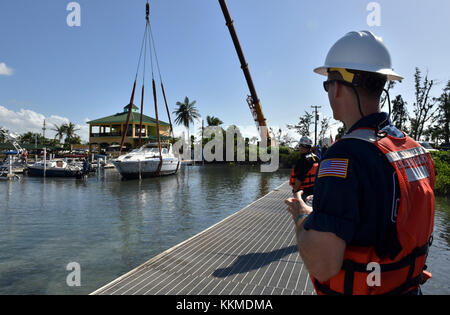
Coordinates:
5	70
27	120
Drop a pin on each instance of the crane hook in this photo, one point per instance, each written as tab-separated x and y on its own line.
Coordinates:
147	11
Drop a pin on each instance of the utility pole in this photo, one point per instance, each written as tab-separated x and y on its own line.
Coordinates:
201	144
43	130
316	120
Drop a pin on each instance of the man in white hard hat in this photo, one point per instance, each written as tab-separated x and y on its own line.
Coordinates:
304	172
370	226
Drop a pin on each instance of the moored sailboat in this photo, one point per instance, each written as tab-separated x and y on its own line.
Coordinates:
147	162
152	159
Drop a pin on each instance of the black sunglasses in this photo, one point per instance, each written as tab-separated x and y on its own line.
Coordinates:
326	84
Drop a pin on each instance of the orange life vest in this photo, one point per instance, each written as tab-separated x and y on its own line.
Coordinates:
415	218
310	175
292	178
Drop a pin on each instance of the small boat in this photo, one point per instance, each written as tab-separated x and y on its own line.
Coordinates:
13	163
55	168
145	161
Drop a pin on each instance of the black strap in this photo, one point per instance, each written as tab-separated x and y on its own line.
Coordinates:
349	280
410	283
415	282
350	267
324	289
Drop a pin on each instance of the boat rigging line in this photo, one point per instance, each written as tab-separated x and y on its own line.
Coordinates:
148	45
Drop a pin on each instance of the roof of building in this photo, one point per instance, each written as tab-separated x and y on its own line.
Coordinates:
122	118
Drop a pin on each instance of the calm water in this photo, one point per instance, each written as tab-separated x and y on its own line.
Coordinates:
110	226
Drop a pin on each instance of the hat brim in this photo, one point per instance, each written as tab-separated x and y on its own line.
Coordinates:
389	73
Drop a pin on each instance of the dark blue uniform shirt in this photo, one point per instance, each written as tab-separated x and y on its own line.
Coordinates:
360	207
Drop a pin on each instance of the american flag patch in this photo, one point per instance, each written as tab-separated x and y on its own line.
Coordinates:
333	167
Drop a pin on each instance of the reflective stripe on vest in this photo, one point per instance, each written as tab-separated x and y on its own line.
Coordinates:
414	168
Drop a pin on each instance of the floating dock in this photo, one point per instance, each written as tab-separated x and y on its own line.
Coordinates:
252	252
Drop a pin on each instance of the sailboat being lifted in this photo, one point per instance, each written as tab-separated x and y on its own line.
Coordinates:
154	158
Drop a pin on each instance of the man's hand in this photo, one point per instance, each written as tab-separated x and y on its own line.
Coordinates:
297	207
322	252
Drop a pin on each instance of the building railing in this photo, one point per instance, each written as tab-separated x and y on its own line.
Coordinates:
106	134
114	134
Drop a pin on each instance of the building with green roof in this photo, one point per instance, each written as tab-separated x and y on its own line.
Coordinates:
106	132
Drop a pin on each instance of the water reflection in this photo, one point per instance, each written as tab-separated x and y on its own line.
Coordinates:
264	185
443	215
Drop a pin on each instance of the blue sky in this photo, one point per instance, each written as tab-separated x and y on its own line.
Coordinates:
53	71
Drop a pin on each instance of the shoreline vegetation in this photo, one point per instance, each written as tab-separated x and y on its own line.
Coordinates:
442	165
441	159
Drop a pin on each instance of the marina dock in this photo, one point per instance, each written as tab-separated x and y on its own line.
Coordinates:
252	252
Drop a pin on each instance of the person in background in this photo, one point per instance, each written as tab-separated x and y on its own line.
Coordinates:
86	166
24	157
371	223
304	172
318	151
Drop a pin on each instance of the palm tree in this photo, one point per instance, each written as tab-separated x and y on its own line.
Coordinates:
213	121
60	131
31	138
186	113
70	132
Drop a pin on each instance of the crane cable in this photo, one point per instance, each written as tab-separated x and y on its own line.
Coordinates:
148	36
161	80
130	105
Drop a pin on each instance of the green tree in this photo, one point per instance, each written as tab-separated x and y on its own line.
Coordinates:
325	125
341	132
384	98
281	138
304	124
424	111
186	113
432	134
71	136
443	121
60	131
213	121
399	112
31	138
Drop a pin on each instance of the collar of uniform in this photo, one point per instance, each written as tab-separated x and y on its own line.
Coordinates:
371	121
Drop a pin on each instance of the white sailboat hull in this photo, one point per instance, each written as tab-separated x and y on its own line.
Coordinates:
145	162
147	168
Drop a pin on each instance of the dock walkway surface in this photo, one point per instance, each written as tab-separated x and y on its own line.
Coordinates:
252	252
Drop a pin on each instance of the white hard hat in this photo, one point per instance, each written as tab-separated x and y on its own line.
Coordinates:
361	51
306	141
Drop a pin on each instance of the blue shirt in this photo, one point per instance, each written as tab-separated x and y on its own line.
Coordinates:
359	205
